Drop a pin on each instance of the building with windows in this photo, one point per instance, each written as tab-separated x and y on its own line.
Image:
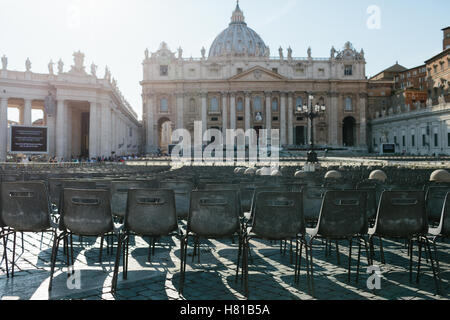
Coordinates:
86	115
416	115
240	85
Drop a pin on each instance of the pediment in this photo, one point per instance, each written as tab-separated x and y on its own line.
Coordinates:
258	74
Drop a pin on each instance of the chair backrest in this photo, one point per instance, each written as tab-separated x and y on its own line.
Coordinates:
312	202
119	194
435	199
402	214
343	214
247	190
86	212
214	214
278	215
182	190
151	212
25	206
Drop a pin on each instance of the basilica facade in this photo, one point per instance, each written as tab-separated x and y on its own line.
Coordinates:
240	85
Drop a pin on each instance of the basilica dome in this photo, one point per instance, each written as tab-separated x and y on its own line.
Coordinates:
238	40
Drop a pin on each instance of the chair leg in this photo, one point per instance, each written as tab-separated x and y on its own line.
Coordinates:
238	258
359	260
101	249
5	253
350	242
382	260
337	253
369	257
14	255
55	248
435	276
116	264
23	246
297	271
420	259
410	259
437	260
312	268
246	250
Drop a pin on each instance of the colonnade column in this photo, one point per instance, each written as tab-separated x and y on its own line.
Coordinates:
106	130
150	136
60	136
289	118
233	111
3	128
27	113
334	118
224	114
268	111
93	127
283	119
180	110
363	120
247	111
204	112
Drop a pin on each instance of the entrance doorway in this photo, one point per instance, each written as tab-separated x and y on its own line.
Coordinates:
85	121
348	133
300	137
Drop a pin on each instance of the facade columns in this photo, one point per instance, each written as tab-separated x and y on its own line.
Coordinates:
247	110
224	114
150	123
268	112
106	130
51	135
233	111
333	130
60	136
363	120
204	96
289	118
27	113
3	128
180	110
93	133
283	140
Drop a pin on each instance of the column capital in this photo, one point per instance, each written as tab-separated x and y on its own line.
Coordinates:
247	94
363	95
204	94
333	94
233	94
224	93
179	94
268	94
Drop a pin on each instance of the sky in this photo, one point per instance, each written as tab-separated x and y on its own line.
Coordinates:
117	32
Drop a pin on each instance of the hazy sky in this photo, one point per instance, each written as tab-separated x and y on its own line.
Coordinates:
116	33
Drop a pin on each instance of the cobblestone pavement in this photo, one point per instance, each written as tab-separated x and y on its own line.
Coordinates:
270	275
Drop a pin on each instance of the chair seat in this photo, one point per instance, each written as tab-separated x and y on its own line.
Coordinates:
435	231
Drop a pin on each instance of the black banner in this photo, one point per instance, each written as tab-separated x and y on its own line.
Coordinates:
29	140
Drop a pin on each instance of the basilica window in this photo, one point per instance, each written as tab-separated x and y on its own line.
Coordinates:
257	104
299	104
164	105
275	105
348	104
240	105
164	71
214	105
348	71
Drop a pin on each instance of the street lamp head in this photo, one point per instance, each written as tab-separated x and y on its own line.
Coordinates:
323	108
305	108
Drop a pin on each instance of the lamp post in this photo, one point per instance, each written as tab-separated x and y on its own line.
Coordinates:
311	112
